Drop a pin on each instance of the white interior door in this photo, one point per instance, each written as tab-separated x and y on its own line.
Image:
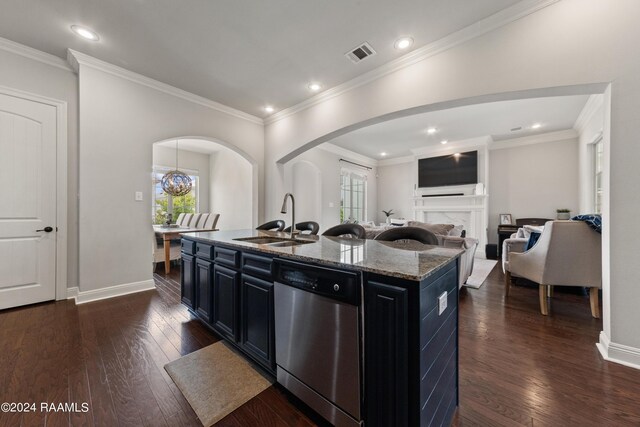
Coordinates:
27	201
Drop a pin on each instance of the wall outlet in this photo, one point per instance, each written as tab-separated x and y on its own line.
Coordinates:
442	303
138	196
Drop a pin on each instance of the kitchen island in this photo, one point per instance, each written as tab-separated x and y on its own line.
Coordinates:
361	330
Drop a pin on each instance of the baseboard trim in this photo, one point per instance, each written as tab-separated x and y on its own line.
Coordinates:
110	292
72	293
618	353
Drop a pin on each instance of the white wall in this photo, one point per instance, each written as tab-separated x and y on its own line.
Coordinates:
532	181
166	157
18	72
313	199
231	190
395	190
571	42
119	121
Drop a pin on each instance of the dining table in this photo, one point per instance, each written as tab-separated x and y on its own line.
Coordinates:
173	233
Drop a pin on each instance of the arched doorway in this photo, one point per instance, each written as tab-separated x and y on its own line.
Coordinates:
225	177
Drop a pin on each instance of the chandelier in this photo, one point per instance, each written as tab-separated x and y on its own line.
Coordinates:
175	182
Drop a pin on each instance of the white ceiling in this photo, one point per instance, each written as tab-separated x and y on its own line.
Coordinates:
196	145
496	119
244	54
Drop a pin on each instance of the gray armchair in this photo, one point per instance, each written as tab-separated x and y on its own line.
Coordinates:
568	253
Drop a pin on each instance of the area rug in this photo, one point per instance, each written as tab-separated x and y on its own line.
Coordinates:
216	381
481	269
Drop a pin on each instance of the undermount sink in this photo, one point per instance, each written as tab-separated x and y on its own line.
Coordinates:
274	241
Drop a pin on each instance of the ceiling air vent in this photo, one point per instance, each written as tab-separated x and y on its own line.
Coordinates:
361	52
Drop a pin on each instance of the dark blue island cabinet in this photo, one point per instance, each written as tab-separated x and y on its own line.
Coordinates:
411	350
410	346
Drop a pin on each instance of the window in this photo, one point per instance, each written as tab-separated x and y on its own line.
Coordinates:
161	200
353	196
598	161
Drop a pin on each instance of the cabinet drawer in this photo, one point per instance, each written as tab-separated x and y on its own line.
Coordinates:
204	251
188	246
227	257
257	265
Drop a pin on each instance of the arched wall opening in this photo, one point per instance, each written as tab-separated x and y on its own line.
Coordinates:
505	96
290	152
227	177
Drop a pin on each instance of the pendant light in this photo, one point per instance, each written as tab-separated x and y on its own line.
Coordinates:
175	182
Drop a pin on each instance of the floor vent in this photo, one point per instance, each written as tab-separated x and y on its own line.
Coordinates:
361	52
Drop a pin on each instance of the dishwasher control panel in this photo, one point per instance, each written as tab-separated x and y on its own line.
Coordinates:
333	283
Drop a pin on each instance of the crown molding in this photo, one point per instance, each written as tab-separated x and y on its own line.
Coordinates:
561	135
351	155
75	59
594	102
35	54
477	29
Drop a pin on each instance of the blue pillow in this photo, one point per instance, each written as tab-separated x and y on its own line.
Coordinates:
594	221
533	239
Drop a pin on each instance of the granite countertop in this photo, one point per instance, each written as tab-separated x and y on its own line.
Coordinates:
410	260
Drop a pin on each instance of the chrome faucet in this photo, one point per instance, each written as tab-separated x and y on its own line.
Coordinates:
293	212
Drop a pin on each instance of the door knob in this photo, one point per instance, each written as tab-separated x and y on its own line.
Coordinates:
47	229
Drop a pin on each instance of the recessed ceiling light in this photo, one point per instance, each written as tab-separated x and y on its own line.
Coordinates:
536	126
431	131
85	33
314	87
383	154
403	43
269	109
444	141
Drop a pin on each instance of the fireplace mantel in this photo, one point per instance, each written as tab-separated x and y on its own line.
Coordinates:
469	211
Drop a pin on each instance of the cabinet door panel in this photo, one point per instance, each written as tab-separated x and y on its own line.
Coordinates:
257	336
225	300
204	270
386	355
187	281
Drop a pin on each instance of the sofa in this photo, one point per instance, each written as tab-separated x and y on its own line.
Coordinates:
449	236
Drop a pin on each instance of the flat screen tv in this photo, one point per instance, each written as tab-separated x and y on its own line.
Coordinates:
454	169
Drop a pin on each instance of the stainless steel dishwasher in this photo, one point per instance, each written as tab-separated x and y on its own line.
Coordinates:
318	338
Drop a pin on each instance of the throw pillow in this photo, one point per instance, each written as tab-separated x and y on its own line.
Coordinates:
456	231
533	239
525	231
441	229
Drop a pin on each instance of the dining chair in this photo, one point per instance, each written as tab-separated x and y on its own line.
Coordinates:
158	252
180	219
408	233
194	220
202	220
186	220
354	230
211	221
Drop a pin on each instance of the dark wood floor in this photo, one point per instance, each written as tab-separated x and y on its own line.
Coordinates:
516	366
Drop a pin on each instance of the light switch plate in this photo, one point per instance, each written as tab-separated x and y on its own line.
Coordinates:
331	204
442	303
138	196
